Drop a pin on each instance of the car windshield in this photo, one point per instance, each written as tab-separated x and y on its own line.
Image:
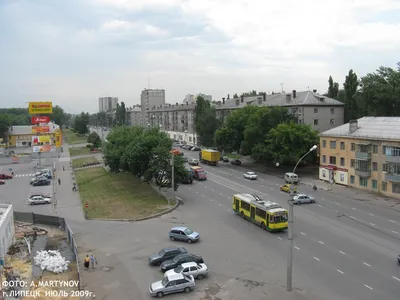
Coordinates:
165	281
201	173
188	231
178	269
162	252
251	173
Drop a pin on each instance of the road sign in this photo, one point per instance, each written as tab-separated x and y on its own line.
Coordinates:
86	205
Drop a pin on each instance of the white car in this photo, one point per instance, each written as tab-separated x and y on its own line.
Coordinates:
43	172
38	200
198	271
250	175
302	199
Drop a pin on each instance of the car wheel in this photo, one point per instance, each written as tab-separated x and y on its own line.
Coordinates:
312	201
157	263
242	215
201	276
263	225
187	289
47	202
172	238
189	241
160	294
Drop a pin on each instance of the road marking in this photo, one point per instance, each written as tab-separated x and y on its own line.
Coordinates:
371	214
337	203
279	238
219	204
395	232
316	258
367	286
213	190
205	186
190	189
296	247
368	265
353	208
321	242
341	272
372	224
319	205
302	233
211	200
221	194
197	192
352	217
341	252
202	195
392	221
394	277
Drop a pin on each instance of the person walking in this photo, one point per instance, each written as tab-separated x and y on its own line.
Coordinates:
93	261
59	181
63	168
86	262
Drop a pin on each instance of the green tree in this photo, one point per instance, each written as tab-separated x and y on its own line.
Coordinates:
81	123
4	126
333	89
94	139
286	143
205	121
59	116
235	96
350	86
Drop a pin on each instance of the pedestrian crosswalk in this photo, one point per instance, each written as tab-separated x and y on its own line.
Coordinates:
24	175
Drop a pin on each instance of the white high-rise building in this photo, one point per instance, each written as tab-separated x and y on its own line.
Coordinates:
150	98
107	104
192	98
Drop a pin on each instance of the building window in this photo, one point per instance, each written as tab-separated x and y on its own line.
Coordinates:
332	121
391	151
324	159
315	110
395	188
342	146
374	184
352	163
352	179
384	186
315	122
375	149
332	144
190	139
374	166
353	147
342	161
364	182
332	111
332	160
323	143
384	167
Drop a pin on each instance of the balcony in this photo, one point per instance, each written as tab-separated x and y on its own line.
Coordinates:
363	155
363	173
392	177
392	159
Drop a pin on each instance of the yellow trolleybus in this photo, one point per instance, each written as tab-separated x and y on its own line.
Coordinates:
268	215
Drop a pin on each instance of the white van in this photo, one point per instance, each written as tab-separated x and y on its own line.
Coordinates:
291	176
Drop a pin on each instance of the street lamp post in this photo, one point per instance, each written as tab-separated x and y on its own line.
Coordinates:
290	226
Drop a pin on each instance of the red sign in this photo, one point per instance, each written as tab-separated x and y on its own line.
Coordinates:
40	119
40	129
86	205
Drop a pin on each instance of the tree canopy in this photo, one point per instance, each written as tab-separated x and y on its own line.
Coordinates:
144	152
81	123
94	139
205	121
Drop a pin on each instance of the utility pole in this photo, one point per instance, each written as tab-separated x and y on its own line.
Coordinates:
173	176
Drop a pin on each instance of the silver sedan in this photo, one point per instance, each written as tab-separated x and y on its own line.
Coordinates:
303	199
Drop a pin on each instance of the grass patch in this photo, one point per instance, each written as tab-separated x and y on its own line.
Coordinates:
79	162
79	151
72	138
233	156
117	196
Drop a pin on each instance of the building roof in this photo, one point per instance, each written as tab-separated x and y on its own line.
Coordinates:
176	107
16	130
370	128
305	98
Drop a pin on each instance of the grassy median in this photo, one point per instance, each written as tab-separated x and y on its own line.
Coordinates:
117	196
72	138
80	162
79	151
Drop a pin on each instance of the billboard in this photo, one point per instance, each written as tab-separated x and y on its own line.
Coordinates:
42	139
40	129
40	149
37	108
58	138
39	119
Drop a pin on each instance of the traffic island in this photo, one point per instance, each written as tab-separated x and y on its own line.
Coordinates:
73	138
118	197
78	151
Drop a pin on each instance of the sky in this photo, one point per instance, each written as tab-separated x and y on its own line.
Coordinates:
71	52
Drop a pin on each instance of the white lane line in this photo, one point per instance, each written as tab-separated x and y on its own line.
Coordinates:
392	221
341	272
353	208
341	252
229	210
321	242
219	204
316	258
296	247
319	205
368	265
211	200
279	238
202	195
395	232
394	277
337	203
372	224
197	192
371	214
351	217
368	287
302	233
221	194
205	186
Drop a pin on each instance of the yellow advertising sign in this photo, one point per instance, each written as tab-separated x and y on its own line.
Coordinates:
40	140
37	108
40	129
58	138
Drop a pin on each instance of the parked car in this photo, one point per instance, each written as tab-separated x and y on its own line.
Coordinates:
34	179
225	159
5	176
42	172
165	254
40	195
38	200
172	284
193	162
183	234
198	271
302	199
291	177
2	181
236	162
250	175
41	182
180	259
286	188
189	147
195	148
398	259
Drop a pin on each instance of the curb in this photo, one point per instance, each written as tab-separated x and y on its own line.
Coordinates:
177	203
88	167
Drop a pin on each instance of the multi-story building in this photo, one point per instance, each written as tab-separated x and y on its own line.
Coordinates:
107	104
176	120
134	116
319	111
192	98
150	98
7	229
364	154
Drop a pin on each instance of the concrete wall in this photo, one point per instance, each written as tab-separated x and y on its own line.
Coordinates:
7	229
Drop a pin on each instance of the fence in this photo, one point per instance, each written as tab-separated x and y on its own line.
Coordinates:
29	217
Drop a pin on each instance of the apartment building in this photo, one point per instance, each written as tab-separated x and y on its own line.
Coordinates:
319	111
108	104
150	98
192	98
134	116
176	120
364	154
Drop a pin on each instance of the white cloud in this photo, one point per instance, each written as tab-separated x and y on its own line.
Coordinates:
137	27
138	4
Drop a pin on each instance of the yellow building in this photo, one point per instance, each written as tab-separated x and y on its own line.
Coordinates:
364	154
21	136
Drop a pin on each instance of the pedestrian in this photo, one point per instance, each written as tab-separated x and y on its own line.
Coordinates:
59	181
93	261
63	168
86	262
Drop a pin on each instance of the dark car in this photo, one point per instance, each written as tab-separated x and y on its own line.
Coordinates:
195	148
189	148
5	176
2	181
398	258
41	182
165	254
236	162
180	259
